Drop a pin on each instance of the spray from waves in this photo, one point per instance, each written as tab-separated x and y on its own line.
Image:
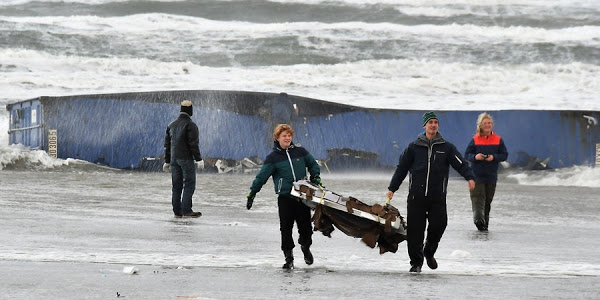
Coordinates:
373	83
3	126
574	176
20	158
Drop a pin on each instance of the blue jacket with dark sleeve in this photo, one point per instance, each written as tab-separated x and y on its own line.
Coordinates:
486	171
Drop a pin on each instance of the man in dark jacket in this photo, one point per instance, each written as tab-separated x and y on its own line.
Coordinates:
485	151
428	160
286	164
182	157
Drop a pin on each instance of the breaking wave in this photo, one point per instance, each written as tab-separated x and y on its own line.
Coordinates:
574	176
19	157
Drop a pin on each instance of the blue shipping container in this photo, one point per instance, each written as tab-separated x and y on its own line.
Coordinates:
119	130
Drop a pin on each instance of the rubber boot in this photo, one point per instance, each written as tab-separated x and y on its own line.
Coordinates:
415	269
480	225
427	250
308	257
289	259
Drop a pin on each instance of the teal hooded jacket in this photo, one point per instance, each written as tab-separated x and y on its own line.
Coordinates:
278	164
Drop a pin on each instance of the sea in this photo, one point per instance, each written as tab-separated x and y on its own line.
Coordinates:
74	230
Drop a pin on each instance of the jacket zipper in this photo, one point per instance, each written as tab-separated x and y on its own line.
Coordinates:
445	184
429	152
291	165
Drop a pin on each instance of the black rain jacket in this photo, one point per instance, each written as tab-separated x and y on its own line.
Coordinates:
428	163
182	139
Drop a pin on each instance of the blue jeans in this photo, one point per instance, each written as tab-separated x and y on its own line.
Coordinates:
183	177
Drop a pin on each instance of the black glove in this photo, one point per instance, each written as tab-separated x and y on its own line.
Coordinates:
317	181
250	200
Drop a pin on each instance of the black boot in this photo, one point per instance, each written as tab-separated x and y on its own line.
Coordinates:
480	225
308	257
415	269
289	259
428	249
431	262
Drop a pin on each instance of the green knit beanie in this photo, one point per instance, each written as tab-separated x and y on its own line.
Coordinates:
428	116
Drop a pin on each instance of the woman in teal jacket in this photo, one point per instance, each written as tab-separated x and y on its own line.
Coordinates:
286	164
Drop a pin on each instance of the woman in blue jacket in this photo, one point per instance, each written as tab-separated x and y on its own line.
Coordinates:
485	151
286	164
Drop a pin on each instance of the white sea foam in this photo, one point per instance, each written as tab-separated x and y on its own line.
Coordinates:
17	156
460	254
363	262
407	3
3	126
406	84
574	176
453	2
211	30
492	10
92	2
395	84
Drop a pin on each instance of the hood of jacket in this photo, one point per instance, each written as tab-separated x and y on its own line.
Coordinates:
422	139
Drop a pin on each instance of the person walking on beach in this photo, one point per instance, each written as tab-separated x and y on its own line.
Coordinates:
427	160
182	158
485	151
288	163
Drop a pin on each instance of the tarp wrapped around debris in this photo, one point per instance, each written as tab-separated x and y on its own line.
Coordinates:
376	225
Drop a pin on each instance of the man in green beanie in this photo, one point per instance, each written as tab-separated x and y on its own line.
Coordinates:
427	160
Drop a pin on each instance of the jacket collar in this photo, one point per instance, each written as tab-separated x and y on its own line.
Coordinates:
422	139
491	134
277	147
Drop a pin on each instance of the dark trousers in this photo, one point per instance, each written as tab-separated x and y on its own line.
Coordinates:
290	210
420	210
481	201
183	177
